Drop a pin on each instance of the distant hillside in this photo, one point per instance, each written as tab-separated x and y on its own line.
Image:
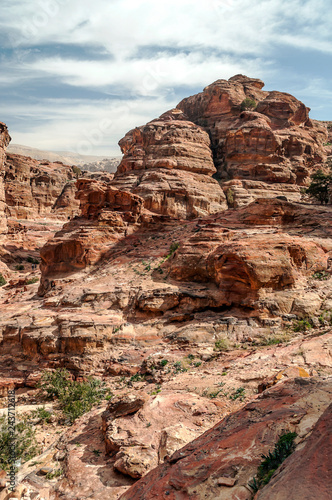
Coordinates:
86	162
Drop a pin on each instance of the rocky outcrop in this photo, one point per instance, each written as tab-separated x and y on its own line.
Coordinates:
168	162
4	141
107	214
222	462
33	187
263	137
142	432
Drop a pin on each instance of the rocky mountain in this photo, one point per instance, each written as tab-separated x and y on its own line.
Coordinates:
33	187
87	162
196	284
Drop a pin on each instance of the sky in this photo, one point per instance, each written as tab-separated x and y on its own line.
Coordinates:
76	75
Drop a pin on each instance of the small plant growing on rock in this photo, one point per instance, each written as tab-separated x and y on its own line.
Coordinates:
248	104
221	345
283	448
302	325
19	267
240	393
172	249
75	398
31	281
2	280
77	171
54	474
42	414
321	276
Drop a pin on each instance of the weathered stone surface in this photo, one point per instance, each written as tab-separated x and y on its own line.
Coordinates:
4	141
33	187
151	429
233	448
106	215
168	162
274	144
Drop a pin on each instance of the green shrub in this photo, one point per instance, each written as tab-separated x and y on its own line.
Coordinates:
31	281
75	398
320	186
42	414
283	448
54	474
2	280
221	345
26	446
301	325
230	197
19	267
248	104
172	249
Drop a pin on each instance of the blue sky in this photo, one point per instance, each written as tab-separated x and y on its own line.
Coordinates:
77	75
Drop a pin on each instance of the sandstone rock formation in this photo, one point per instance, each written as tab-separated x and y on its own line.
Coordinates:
33	187
107	214
168	162
4	141
272	146
141	432
221	462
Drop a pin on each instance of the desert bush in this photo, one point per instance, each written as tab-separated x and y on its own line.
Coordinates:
75	398
2	280
302	325
26	446
320	186
31	281
221	345
248	104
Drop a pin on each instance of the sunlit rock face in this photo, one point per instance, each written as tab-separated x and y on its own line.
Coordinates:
168	162
263	143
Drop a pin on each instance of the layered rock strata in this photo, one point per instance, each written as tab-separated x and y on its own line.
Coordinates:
106	214
168	162
261	139
33	188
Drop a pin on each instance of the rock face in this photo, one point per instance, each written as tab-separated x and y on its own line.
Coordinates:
33	187
4	141
168	162
221	462
141	432
107	214
259	271
273	143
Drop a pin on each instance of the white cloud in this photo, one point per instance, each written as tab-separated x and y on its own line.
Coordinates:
199	43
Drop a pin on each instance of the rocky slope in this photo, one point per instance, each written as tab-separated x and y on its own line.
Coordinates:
185	302
221	463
